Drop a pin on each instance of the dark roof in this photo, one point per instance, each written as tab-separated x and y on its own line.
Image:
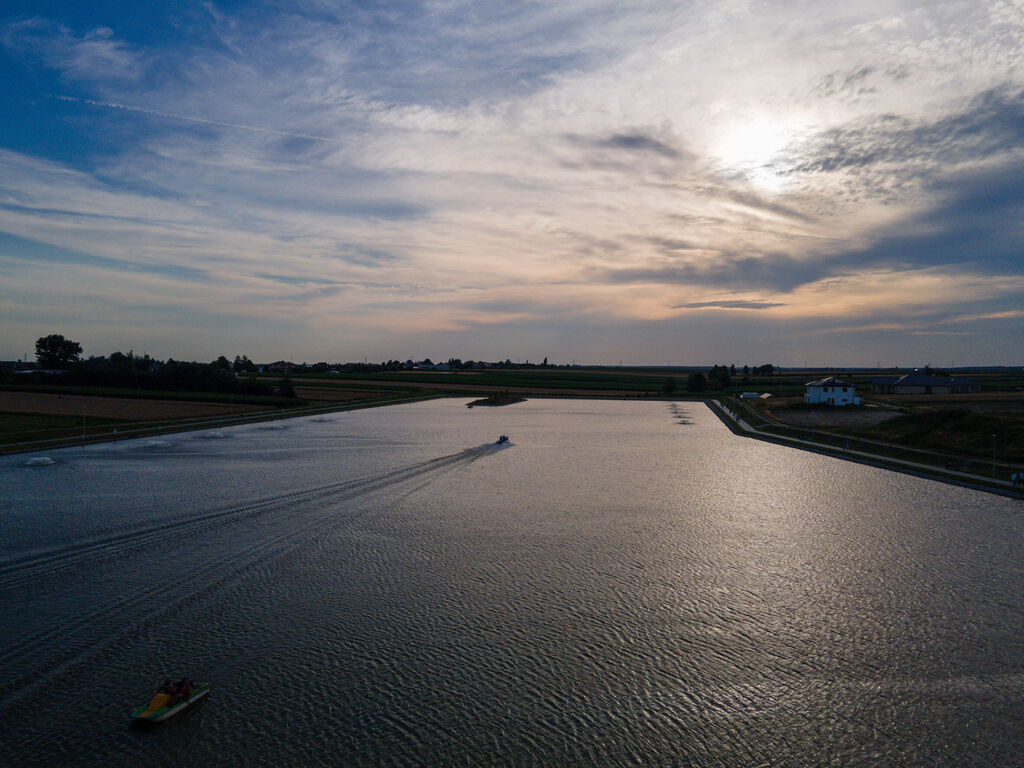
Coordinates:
920	379
829	381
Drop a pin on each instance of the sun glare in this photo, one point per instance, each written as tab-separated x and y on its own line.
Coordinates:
752	149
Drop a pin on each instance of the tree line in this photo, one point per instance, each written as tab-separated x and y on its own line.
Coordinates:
61	359
55	353
719	377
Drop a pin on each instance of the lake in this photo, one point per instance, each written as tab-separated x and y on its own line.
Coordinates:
624	583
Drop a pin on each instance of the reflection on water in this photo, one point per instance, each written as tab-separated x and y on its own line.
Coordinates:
623	583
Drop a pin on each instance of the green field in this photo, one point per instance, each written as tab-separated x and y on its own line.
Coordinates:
152	394
639	382
25	427
969	433
956	430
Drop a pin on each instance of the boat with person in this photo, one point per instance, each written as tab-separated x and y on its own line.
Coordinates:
501	440
170	700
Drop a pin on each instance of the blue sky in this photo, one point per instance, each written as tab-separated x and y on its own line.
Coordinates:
653	182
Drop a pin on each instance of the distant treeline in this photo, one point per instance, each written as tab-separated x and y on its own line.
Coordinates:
721	377
452	364
128	371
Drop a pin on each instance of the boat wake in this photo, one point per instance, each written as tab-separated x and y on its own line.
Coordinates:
40	461
291	521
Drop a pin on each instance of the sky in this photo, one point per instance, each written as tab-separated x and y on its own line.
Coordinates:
653	182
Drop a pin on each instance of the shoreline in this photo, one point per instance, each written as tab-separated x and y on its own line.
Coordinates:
497	402
732	421
129	433
739	427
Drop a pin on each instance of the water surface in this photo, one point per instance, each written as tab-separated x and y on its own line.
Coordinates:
625	583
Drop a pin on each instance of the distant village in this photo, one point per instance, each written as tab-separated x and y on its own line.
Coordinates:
833	391
59	357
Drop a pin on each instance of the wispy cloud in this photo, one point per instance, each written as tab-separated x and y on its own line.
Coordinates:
731	304
19	249
95	54
987	125
438	167
199	120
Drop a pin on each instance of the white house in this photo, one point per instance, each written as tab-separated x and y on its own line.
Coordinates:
830	391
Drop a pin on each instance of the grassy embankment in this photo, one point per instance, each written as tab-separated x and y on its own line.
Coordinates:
957	430
981	434
23	427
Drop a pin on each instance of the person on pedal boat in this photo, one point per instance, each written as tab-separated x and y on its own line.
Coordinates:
184	688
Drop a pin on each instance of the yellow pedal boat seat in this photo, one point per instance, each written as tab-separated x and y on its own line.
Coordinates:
157	702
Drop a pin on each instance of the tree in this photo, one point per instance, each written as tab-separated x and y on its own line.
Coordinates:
718	378
696	382
243	364
669	386
54	351
285	388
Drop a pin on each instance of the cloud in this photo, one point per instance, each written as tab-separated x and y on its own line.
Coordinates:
672	245
96	54
732	304
15	248
1009	314
377	166
773	271
199	120
988	125
638	142
973	225
297	280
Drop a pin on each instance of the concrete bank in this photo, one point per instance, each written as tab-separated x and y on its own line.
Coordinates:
739	426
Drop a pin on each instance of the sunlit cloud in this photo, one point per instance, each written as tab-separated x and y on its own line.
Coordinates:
447	169
199	120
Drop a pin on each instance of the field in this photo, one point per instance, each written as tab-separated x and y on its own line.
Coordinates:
969	425
25	427
116	408
32	418
960	424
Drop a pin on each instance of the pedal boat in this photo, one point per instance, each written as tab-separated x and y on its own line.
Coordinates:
161	706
